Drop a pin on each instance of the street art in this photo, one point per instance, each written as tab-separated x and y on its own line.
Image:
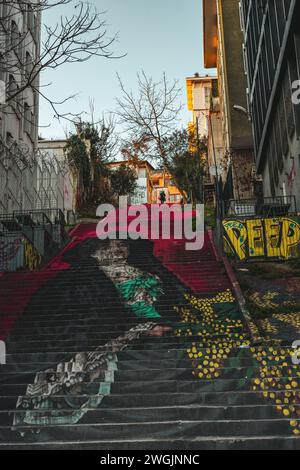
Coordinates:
139	290
274	238
8	253
278	381
296	356
54	389
207	334
32	257
222	338
60	394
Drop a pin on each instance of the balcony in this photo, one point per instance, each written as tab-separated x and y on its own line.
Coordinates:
265	207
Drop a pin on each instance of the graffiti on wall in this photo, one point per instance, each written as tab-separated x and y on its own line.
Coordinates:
9	249
32	258
276	238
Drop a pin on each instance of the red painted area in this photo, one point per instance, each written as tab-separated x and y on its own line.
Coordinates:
198	270
16	289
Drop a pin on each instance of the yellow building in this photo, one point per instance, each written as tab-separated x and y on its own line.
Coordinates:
199	92
203	101
150	183
161	181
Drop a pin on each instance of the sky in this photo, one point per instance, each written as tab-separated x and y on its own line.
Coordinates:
157	35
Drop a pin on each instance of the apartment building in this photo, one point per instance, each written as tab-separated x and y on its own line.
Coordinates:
20	27
200	89
272	57
223	42
143	169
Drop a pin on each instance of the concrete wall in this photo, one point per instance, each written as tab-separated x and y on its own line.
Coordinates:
64	183
236	127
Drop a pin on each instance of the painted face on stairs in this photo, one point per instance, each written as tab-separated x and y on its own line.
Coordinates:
113	253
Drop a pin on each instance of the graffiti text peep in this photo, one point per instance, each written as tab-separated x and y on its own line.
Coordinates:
262	238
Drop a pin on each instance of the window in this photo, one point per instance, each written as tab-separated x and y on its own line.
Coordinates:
2	68
274	30
28	64
292	76
269	50
274	159
271	171
12	86
283	122
32	21
9	139
142	173
278	136
14	35
27	119
281	18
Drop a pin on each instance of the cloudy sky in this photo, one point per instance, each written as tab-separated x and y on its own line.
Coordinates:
157	36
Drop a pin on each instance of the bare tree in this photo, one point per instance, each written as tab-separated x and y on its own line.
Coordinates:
152	114
75	38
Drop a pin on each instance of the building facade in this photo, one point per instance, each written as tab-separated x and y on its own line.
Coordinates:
20	30
223	41
203	101
199	92
57	185
272	57
143	169
162	182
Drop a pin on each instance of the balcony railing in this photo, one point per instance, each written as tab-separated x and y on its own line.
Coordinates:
265	207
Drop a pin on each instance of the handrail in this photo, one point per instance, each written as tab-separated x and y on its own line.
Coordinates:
278	206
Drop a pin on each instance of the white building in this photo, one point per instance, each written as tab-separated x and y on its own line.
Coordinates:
19	47
56	184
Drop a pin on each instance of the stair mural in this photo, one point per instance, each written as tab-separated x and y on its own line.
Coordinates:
138	345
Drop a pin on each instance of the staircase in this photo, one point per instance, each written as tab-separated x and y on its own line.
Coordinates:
43	237
176	374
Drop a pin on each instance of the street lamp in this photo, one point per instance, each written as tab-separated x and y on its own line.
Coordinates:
242	110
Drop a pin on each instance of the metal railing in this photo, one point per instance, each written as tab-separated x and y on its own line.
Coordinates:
56	216
265	207
34	219
9	224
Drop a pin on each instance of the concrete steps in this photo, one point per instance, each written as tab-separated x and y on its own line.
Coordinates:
154	397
